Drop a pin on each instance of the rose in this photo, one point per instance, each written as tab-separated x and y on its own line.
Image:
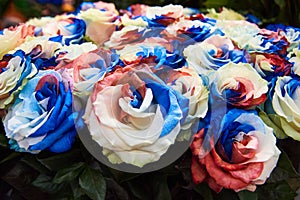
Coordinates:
127	35
12	37
188	31
163	16
296	61
38	47
193	87
41	50
242	33
64	29
239	85
152	54
271	65
292	34
99	24
134	116
66	54
126	20
250	37
42	117
89	68
213	53
136	10
98	5
285	102
15	70
243	157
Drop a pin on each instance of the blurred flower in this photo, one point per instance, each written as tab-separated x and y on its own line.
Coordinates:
225	14
99	24
11	38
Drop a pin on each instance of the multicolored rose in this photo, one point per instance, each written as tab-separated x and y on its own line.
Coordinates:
42	117
134	115
12	37
213	53
285	102
15	70
64	29
239	85
243	157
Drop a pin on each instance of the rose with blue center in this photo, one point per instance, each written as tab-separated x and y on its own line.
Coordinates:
190	31
239	85
242	157
152	54
15	70
188	83
285	102
213	53
42	117
271	65
134	116
64	29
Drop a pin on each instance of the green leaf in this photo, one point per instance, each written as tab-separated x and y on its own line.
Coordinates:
77	191
160	188
285	164
215	3
280	3
115	191
227	194
247	195
150	186
93	183
69	173
204	190
60	161
123	176
45	183
286	172
273	121
276	191
10	157
3	141
32	162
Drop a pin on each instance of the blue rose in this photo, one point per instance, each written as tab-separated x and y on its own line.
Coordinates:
42	116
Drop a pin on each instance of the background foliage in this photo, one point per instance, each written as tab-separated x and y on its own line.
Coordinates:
270	11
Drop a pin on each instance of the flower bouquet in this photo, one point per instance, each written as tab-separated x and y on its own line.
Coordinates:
149	103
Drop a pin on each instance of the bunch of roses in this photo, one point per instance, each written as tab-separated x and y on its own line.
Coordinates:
145	78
